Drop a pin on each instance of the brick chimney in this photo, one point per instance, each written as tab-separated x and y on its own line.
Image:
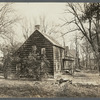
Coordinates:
66	50
37	27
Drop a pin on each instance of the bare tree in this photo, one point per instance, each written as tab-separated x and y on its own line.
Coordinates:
83	16
77	14
77	63
6	20
87	51
27	28
46	27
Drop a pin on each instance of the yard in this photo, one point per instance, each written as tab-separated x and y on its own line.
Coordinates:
84	84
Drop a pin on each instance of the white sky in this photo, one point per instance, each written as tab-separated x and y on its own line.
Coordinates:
51	10
54	12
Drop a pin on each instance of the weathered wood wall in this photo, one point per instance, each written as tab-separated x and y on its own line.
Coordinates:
41	42
58	55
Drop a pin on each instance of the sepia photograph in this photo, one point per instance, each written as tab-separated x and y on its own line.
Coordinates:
49	49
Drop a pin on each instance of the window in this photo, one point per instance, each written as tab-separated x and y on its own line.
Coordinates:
34	48
43	51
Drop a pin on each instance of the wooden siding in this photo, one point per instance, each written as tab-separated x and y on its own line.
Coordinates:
58	54
41	42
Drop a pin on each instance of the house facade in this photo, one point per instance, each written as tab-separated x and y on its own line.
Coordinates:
43	43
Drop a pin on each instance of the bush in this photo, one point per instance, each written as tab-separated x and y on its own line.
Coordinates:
7	65
1	66
34	66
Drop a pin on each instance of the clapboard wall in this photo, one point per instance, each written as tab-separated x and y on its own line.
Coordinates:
41	42
58	55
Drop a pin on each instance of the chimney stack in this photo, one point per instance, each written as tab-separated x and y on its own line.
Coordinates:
37	27
66	50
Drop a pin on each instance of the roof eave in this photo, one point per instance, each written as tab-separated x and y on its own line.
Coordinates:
59	46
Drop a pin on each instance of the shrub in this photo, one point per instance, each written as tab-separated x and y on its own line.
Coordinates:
7	65
35	65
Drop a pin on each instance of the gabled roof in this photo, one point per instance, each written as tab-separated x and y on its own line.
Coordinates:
51	39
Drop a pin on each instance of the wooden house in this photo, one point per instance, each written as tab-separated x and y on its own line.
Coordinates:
54	51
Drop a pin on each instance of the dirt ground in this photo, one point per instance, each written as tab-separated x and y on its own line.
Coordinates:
83	77
84	84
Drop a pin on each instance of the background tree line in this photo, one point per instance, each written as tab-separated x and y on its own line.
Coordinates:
86	20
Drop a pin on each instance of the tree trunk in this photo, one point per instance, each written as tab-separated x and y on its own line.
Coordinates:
99	63
97	35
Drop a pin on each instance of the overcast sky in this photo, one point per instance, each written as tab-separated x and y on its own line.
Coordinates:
54	12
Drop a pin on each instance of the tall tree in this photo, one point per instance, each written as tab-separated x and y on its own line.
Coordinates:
7	21
46	27
27	28
7	18
86	19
